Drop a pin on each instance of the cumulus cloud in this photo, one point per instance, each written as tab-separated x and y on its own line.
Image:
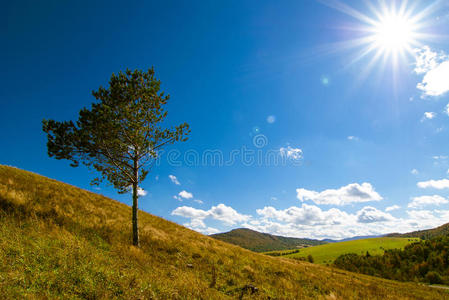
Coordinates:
227	214
351	193
393	207
312	222
352	138
435	69
305	215
414	172
198	225
198	201
290	152
190	212
436	184
185	195
221	212
174	179
369	214
421	201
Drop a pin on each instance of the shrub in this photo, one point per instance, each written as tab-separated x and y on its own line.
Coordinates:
310	258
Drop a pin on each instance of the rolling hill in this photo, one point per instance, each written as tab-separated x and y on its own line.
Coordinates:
59	241
442	230
326	254
263	242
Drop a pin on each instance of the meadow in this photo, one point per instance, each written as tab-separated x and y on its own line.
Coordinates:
327	253
61	242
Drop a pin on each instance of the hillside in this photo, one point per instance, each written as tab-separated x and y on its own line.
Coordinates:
59	241
439	231
425	261
326	254
263	242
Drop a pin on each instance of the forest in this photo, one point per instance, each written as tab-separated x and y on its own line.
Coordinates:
425	261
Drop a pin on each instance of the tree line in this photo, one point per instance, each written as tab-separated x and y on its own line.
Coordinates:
425	261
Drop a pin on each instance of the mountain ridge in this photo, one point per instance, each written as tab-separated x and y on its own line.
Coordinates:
263	242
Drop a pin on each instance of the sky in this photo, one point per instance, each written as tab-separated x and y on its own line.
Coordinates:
316	119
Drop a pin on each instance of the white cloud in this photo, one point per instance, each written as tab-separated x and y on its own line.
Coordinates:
271	119
351	193
289	152
186	195
312	222
174	179
435	67
198	201
414	172
436	184
393	207
221	212
141	192
352	138
439	157
369	214
428	115
305	215
198	225
421	201
190	212
227	214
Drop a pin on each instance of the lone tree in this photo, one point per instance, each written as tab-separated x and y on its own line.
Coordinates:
120	135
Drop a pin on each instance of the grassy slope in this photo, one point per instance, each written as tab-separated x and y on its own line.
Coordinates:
329	252
262	242
58	241
425	234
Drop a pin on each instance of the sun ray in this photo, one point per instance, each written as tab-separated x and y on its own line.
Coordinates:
390	32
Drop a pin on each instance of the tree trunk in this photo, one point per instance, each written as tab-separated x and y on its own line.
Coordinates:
135	198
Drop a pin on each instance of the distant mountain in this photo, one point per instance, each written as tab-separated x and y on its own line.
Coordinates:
361	237
262	242
442	230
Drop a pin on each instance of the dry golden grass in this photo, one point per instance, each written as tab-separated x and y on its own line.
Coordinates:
59	241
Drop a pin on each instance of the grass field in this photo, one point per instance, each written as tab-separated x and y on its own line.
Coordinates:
61	242
326	254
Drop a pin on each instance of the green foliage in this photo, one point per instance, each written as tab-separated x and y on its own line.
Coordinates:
263	242
121	134
425	261
327	253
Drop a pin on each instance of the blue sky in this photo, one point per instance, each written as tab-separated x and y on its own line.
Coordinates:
362	142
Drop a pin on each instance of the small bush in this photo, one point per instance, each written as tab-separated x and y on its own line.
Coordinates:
310	259
433	277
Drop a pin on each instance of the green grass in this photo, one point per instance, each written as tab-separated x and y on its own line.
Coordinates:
61	242
326	254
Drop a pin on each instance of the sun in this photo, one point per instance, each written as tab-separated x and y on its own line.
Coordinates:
386	35
394	33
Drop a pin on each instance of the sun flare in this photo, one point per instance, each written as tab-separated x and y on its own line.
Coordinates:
394	33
